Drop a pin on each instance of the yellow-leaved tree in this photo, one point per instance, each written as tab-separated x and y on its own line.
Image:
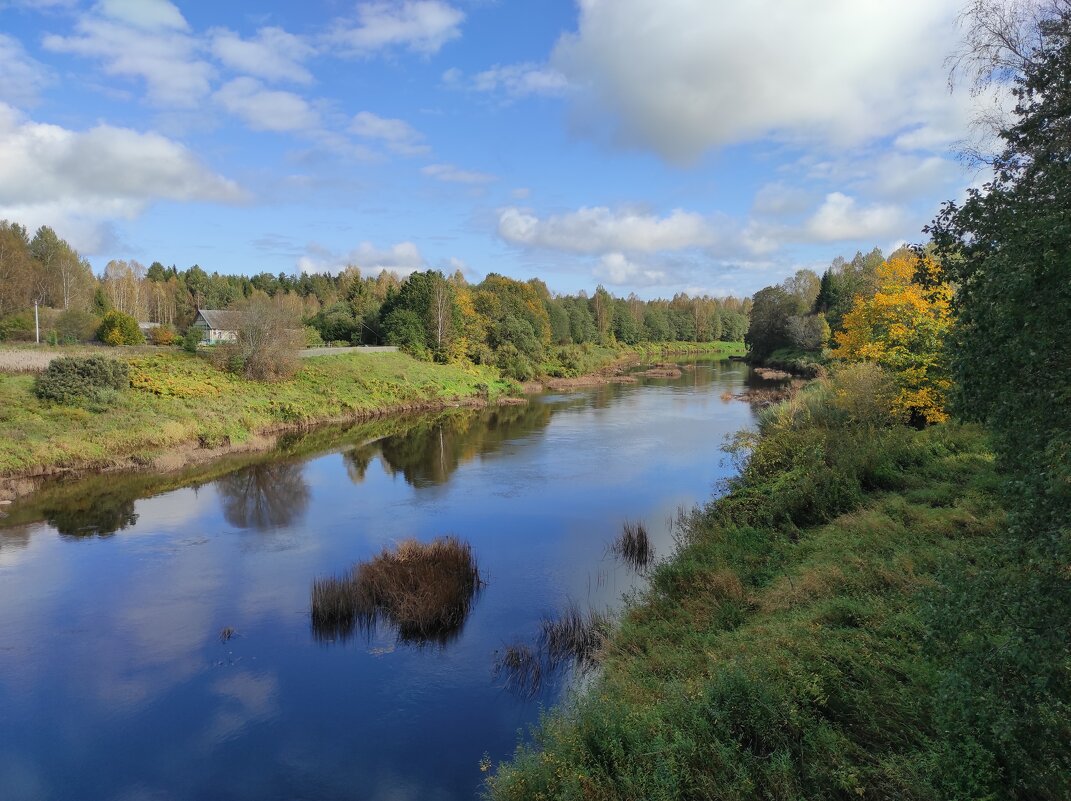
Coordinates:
903	329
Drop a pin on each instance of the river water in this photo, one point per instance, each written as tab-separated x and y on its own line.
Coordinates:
155	637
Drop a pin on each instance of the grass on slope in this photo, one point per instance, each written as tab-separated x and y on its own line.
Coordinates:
788	651
177	398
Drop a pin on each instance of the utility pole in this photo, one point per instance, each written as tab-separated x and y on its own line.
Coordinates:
36	323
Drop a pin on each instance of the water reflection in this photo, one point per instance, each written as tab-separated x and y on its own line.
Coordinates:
98	514
432	450
264	496
14	538
137	691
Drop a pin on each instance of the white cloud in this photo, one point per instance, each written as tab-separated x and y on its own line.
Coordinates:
145	14
266	109
145	40
455	175
273	55
399	136
778	199
616	269
600	230
840	218
899	176
39	5
75	180
682	76
514	80
21	77
422	26
402	259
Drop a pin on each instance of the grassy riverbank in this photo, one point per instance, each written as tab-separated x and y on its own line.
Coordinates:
822	633
573	361
176	399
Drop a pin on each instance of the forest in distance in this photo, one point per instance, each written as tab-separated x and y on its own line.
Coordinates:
500	321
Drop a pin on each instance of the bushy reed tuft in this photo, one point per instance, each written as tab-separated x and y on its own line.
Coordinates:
424	590
574	637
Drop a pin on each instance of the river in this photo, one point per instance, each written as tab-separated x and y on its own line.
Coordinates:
155	637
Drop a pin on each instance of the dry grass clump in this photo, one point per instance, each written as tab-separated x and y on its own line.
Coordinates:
663	371
771	374
20	360
633	546
424	590
764	397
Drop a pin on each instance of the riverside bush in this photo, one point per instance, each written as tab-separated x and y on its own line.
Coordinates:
74	380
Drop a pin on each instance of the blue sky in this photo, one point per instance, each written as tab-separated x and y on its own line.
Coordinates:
653	146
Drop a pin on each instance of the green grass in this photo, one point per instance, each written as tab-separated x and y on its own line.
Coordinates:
570	361
808	639
177	398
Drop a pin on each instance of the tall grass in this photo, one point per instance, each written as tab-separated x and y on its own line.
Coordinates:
789	649
633	546
521	668
423	590
571	640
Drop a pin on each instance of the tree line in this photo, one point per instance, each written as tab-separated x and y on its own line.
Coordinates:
499	320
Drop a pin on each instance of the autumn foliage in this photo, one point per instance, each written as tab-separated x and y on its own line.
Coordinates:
903	328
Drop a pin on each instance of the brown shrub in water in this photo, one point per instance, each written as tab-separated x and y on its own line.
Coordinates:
663	371
424	590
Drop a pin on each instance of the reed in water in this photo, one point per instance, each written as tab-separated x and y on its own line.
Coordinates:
633	546
424	590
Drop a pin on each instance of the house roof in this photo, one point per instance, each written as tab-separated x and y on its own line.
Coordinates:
220	320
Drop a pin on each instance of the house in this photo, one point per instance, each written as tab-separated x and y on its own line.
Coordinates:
217	326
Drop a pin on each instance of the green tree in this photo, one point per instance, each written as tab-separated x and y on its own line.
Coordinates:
656	324
733	326
1007	250
624	325
804	285
768	328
